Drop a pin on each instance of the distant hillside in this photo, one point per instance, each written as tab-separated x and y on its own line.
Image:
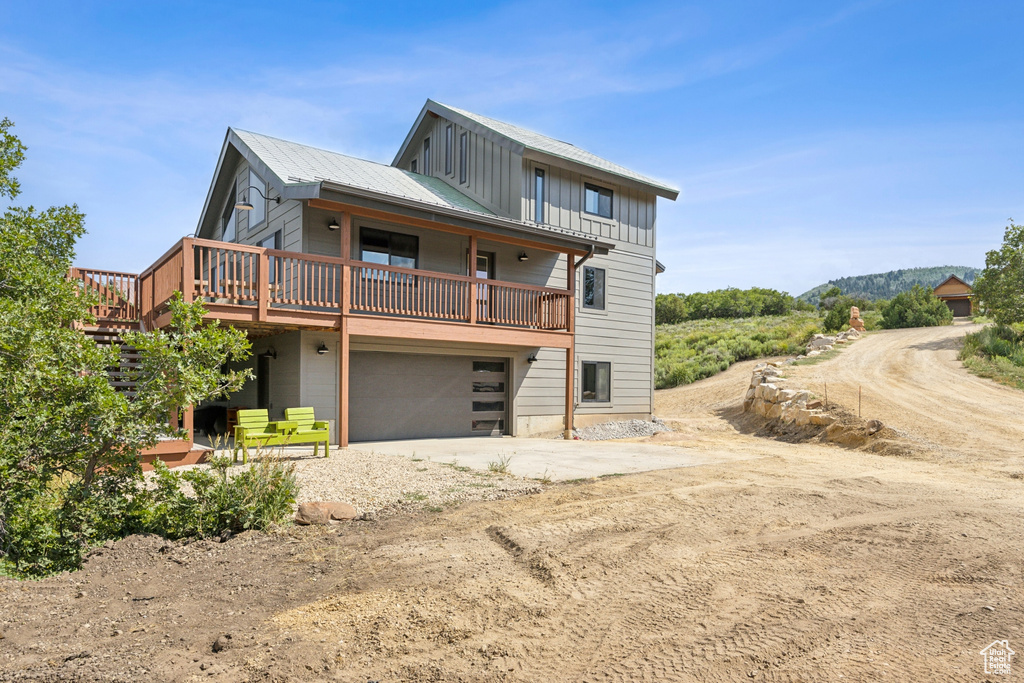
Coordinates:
888	285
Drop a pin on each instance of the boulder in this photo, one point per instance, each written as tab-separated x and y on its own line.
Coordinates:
802	396
771	371
821	419
874	426
324	513
803	417
750	393
748	405
819	341
811	405
774	412
756	379
786	395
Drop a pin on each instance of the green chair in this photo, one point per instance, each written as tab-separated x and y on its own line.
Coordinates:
255	429
308	429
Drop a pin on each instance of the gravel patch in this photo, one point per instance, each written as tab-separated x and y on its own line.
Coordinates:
376	483
623	429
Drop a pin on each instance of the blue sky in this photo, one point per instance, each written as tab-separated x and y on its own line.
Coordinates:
811	140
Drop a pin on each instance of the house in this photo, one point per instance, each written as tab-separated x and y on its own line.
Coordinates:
956	294
490	281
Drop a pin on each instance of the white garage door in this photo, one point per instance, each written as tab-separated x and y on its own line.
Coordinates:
411	396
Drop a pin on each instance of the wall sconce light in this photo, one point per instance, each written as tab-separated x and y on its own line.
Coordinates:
246	205
333	225
531	359
322	349
269	353
523	257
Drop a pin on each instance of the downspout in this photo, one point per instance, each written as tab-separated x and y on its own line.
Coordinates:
584	259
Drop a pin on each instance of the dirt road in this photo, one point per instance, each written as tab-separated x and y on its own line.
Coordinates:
808	562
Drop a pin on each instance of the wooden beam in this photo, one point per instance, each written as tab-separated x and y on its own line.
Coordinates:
430	330
401	219
188	268
262	286
570	371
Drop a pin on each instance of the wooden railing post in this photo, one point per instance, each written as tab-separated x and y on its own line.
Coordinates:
188	270
473	292
262	285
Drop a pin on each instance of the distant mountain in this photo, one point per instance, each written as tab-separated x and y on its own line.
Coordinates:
888	285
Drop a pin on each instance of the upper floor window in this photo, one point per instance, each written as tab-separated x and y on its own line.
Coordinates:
228	217
538	195
593	288
597	200
426	156
413	166
259	204
463	157
449	149
389	248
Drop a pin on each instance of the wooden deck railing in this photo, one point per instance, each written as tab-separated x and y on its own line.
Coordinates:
240	275
117	293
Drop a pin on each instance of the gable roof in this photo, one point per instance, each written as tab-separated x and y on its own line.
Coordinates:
523	139
954	277
298	171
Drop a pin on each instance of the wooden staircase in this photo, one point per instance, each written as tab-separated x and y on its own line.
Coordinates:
105	335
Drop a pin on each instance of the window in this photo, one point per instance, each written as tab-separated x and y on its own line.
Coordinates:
389	248
538	196
272	242
228	218
597	382
449	149
593	288
412	166
426	156
463	158
488	366
259	204
597	200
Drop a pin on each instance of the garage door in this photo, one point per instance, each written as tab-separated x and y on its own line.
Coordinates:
412	396
961	307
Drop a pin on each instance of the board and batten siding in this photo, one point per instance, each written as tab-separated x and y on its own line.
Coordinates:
494	175
286	216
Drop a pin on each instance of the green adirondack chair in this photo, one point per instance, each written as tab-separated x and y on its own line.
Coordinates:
309	430
255	429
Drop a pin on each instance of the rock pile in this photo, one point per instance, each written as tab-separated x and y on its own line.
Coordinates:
769	398
820	343
623	429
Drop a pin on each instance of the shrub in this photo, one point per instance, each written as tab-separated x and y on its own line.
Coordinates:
255	498
915	308
672	309
996	352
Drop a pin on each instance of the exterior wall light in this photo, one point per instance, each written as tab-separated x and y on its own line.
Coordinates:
271	352
322	349
333	225
523	257
245	205
532	358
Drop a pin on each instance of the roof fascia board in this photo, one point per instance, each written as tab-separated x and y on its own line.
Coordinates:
433	107
254	161
213	183
601	175
496	224
410	135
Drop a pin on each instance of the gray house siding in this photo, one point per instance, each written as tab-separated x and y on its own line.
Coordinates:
286	216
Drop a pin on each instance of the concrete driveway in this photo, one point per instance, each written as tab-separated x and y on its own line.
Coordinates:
553	459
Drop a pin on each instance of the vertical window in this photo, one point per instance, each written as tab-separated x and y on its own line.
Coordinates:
597	382
228	218
412	166
263	382
597	200
272	242
463	157
426	157
259	204
593	288
449	149
389	248
538	196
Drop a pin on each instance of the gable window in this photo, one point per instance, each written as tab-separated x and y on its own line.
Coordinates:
538	196
259	204
449	149
228	217
426	156
597	200
597	382
463	158
272	242
412	166
389	248
593	287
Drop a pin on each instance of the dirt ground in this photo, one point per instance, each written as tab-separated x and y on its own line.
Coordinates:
808	562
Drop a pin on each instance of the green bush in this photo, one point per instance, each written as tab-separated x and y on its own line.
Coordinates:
690	351
915	308
671	309
255	498
996	352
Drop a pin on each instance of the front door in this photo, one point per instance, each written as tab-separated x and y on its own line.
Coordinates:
484	271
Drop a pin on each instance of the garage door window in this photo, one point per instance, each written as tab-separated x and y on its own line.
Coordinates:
597	382
489	398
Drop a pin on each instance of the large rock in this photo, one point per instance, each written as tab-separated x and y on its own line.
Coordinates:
820	341
855	322
324	513
821	419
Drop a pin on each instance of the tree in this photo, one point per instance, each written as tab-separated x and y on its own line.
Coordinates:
999	290
69	442
828	298
918	307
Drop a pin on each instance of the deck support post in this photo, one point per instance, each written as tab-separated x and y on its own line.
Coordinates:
343	313
188	270
471	271
570	353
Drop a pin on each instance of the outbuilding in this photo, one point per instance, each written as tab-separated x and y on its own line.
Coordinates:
956	294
